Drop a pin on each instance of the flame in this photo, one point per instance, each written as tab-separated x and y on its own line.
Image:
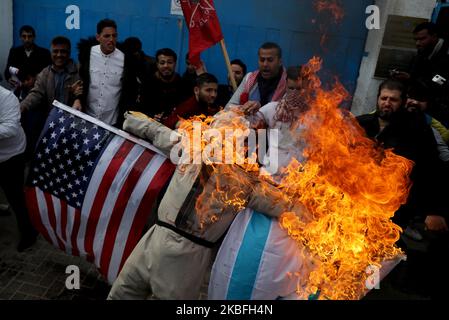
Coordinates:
351	187
333	6
218	142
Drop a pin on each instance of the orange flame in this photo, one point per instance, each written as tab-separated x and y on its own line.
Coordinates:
352	188
333	6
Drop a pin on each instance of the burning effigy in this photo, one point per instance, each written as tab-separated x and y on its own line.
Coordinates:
350	186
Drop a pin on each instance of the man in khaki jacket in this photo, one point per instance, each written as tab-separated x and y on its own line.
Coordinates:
59	81
171	259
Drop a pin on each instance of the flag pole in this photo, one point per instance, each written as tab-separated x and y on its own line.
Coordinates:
228	64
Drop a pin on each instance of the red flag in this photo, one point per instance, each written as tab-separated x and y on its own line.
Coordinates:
204	27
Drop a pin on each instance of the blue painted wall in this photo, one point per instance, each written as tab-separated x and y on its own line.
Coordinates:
294	24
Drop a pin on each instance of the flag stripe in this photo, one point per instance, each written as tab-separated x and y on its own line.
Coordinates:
58	207
111	201
248	259
52	218
35	212
101	194
122	203
64	222
68	229
150	196
43	215
98	174
131	228
74	234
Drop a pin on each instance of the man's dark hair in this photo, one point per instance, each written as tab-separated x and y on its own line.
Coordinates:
272	45
391	84
241	64
27	28
419	90
294	72
166	52
204	78
106	23
132	45
25	72
60	40
431	28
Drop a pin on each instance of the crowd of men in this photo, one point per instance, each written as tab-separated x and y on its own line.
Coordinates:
111	78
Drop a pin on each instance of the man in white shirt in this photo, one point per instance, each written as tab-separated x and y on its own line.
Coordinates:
12	164
104	73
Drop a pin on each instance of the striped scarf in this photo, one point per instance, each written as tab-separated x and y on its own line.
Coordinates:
290	107
252	80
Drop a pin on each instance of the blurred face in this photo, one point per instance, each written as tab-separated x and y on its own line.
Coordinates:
190	67
269	63
27	39
166	66
237	71
28	83
415	104
60	55
107	39
424	41
389	101
207	93
294	84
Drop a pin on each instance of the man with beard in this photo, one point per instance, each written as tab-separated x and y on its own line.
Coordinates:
202	102
409	135
164	89
431	67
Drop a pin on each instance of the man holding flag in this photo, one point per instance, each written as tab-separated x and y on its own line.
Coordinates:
204	31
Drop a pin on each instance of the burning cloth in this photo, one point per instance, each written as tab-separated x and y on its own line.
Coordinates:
171	259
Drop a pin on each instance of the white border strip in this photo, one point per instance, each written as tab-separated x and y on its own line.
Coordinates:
103	125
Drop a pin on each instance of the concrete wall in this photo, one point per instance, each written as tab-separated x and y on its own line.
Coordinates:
6	32
365	96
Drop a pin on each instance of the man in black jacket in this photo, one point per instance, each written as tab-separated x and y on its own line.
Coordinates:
28	55
431	67
409	135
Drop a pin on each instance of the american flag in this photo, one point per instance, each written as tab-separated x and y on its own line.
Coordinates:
91	188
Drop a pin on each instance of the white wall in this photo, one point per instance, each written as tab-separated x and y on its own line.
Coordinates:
365	96
6	32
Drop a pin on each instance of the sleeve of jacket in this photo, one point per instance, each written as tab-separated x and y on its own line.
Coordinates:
38	93
258	194
271	201
444	132
10	62
159	135
9	116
